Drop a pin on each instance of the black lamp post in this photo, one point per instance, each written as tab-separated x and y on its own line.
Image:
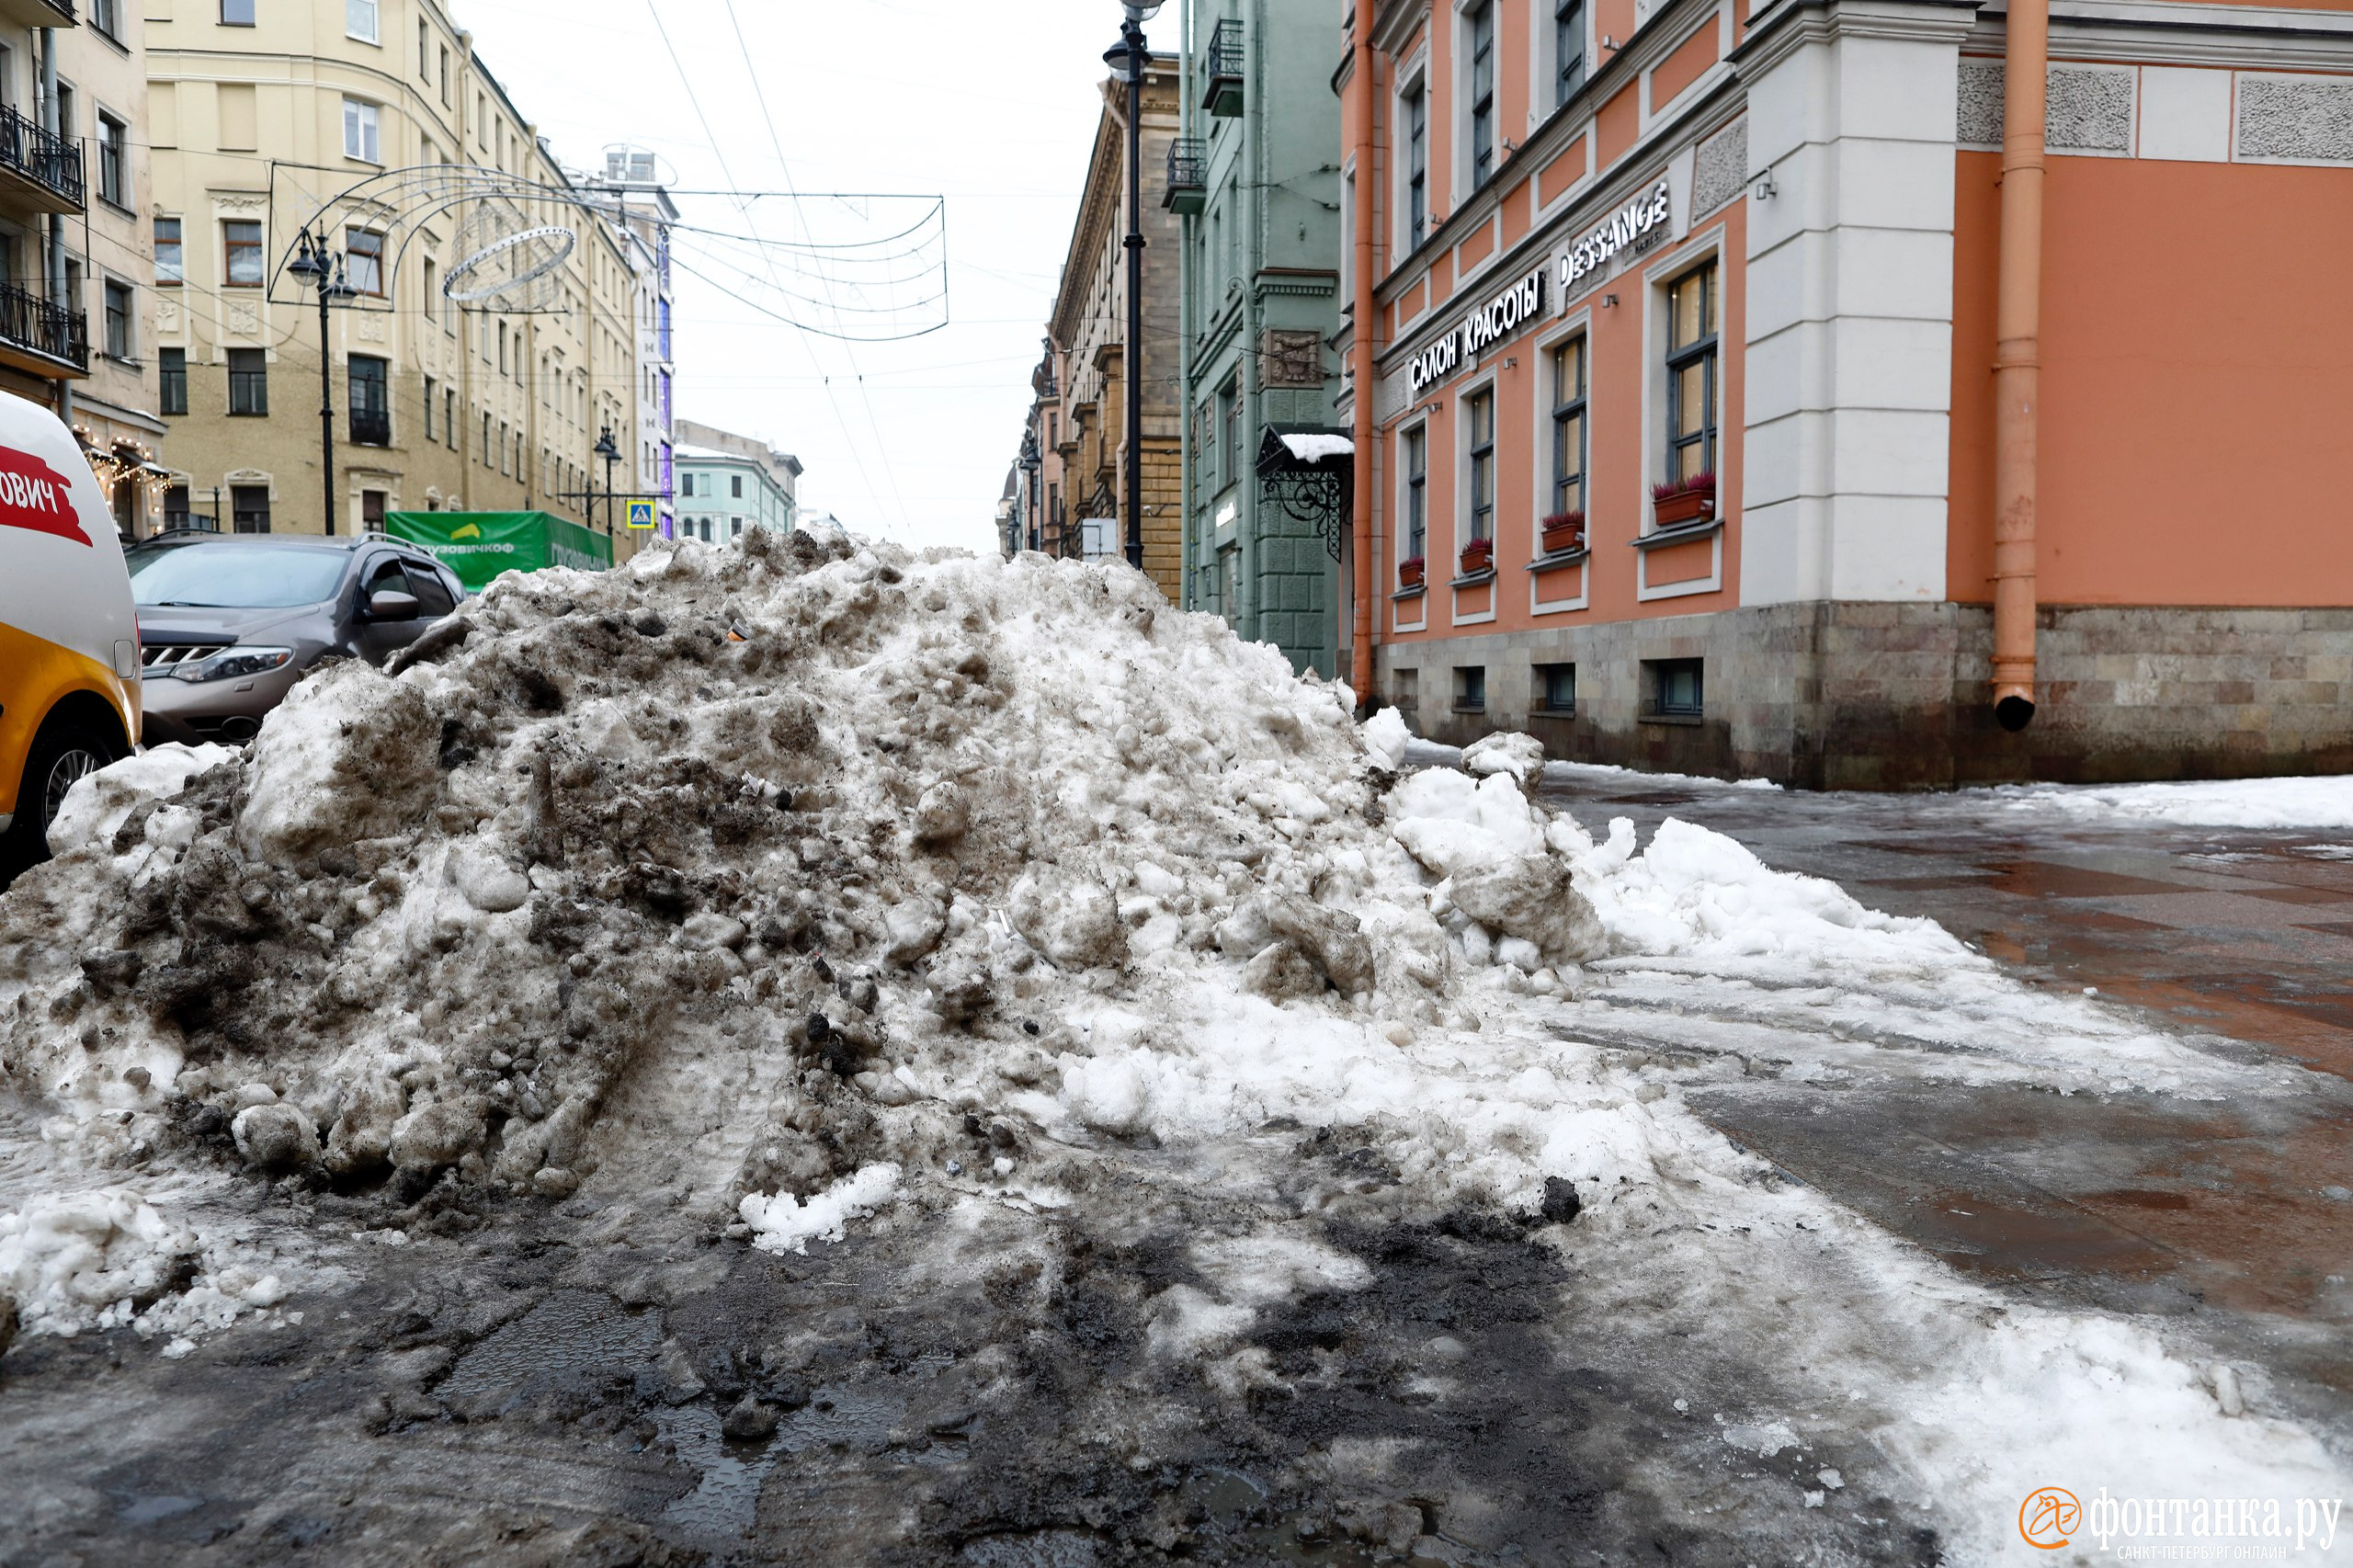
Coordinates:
612	454
1126	59
1030	463
315	266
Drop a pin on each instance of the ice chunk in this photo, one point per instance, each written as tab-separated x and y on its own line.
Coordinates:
784	1223
100	803
1386	737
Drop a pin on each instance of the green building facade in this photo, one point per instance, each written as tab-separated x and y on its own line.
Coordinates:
1256	175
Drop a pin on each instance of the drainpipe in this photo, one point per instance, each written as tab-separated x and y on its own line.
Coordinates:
1254	212
58	296
1187	276
2018	360
1360	349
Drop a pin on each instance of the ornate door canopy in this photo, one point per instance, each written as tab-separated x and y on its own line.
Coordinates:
1304	471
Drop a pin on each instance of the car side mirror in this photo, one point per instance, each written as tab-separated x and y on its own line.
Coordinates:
389	604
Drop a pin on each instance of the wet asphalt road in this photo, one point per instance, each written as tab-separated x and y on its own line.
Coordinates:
2238	1213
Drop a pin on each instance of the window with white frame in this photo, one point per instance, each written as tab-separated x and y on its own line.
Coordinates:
1418	492
114	162
1568	50
1479	27
1568	429
1479	417
1416	114
1691	390
359	20
359	131
363	252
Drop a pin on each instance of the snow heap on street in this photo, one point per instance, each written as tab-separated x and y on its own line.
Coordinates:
753	876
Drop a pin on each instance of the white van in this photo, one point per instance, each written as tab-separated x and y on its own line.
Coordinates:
69	638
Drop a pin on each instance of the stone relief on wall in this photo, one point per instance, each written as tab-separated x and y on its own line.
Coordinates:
2310	119
2090	108
1721	170
1293	359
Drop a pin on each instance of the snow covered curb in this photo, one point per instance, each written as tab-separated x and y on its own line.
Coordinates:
2256	804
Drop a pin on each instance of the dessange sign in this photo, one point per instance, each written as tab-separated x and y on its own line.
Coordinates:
1633	225
1490	323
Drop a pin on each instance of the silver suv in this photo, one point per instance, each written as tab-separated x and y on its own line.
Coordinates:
228	623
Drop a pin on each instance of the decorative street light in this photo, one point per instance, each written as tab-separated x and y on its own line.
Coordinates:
1126	59
612	454
1030	463
315	266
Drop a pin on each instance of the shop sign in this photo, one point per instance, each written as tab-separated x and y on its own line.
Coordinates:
1488	325
1633	225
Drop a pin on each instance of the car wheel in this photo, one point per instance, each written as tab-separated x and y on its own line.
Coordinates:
62	755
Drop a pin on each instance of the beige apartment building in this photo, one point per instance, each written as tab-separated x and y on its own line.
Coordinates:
77	327
267	116
1081	411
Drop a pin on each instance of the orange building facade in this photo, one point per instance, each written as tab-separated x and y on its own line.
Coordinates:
1678	436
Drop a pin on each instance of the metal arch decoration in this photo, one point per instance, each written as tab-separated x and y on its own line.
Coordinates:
500	271
1315	493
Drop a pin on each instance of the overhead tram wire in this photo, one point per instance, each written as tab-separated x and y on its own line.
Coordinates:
784	167
686	83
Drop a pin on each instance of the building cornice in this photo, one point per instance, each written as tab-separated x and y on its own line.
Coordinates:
1394	21
2180	32
1780	31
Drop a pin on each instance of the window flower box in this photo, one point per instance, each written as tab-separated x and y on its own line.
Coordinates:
1563	532
1689	500
1477	556
1409	572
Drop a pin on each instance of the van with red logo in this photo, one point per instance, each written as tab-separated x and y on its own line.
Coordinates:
69	636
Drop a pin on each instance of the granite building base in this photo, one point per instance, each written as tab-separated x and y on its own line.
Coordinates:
1896	696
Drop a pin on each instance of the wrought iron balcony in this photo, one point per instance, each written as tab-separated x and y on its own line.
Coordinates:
1222	64
42	170
372	427
38	13
38	337
1187	189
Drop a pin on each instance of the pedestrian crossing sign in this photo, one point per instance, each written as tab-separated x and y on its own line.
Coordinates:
641	514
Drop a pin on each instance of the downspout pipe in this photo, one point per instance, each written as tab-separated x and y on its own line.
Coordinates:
1360	351
2018	360
59	295
1188	277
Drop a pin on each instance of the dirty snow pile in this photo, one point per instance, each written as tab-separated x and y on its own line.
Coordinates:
785	880
764	866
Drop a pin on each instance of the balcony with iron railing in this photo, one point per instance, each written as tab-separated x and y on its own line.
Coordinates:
1222	65
38	13
39	172
41	337
372	427
1187	189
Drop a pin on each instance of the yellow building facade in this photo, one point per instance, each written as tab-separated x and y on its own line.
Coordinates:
374	121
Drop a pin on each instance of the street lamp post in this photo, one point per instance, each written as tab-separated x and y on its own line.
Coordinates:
1127	58
315	266
1031	462
607	449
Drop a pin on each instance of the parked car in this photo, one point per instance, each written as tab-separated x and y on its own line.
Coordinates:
230	621
69	637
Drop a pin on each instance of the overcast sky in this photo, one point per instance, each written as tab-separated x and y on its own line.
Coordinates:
993	106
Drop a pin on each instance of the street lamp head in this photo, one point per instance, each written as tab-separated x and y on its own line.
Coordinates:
1116	57
1143	10
604	447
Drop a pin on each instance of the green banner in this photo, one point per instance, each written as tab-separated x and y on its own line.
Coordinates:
478	546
